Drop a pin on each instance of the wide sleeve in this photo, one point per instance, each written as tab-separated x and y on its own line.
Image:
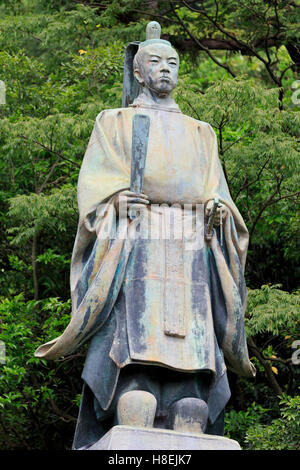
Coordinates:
227	265
101	247
216	186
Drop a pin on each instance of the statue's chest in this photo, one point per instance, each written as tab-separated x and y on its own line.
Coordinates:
176	164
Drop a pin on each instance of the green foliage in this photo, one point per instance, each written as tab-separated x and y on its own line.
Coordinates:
33	409
258	146
237	423
272	310
255	431
273	322
54	213
282	434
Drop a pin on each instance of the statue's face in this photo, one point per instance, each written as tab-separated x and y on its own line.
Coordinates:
158	68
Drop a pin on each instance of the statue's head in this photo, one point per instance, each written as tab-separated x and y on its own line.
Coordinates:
156	63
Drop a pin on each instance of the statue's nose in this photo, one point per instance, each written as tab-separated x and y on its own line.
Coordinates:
165	67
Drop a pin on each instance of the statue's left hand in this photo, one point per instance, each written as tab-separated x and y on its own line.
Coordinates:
221	210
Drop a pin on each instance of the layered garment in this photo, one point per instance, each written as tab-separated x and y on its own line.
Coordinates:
151	290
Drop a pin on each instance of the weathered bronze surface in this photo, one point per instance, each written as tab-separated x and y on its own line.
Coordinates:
163	303
140	135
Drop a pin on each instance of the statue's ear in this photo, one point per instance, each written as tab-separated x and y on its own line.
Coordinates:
138	76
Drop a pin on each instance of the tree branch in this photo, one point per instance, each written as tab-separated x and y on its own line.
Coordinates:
246	186
49	150
269	373
242	44
288	364
286	196
267	203
199	43
64	416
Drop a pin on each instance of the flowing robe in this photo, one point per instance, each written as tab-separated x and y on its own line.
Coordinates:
155	301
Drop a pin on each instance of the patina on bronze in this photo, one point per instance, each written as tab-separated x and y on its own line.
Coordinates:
211	220
165	309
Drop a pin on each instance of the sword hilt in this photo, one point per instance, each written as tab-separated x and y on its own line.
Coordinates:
210	224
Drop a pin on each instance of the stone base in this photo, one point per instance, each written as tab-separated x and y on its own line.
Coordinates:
136	438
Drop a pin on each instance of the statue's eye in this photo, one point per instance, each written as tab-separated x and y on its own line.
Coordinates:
154	61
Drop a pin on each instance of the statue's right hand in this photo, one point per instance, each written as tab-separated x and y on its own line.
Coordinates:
124	200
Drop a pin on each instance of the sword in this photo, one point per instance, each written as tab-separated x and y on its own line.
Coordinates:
211	219
140	135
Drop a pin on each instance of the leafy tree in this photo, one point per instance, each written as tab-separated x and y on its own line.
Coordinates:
37	400
282	434
259	152
273	315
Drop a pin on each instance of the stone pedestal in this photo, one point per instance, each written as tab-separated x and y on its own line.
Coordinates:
136	438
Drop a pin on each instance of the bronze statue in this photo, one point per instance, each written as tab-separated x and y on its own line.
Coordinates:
158	290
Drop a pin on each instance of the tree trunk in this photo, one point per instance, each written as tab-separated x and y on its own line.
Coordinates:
268	370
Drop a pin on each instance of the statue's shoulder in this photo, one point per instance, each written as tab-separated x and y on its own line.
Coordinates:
200	126
109	114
